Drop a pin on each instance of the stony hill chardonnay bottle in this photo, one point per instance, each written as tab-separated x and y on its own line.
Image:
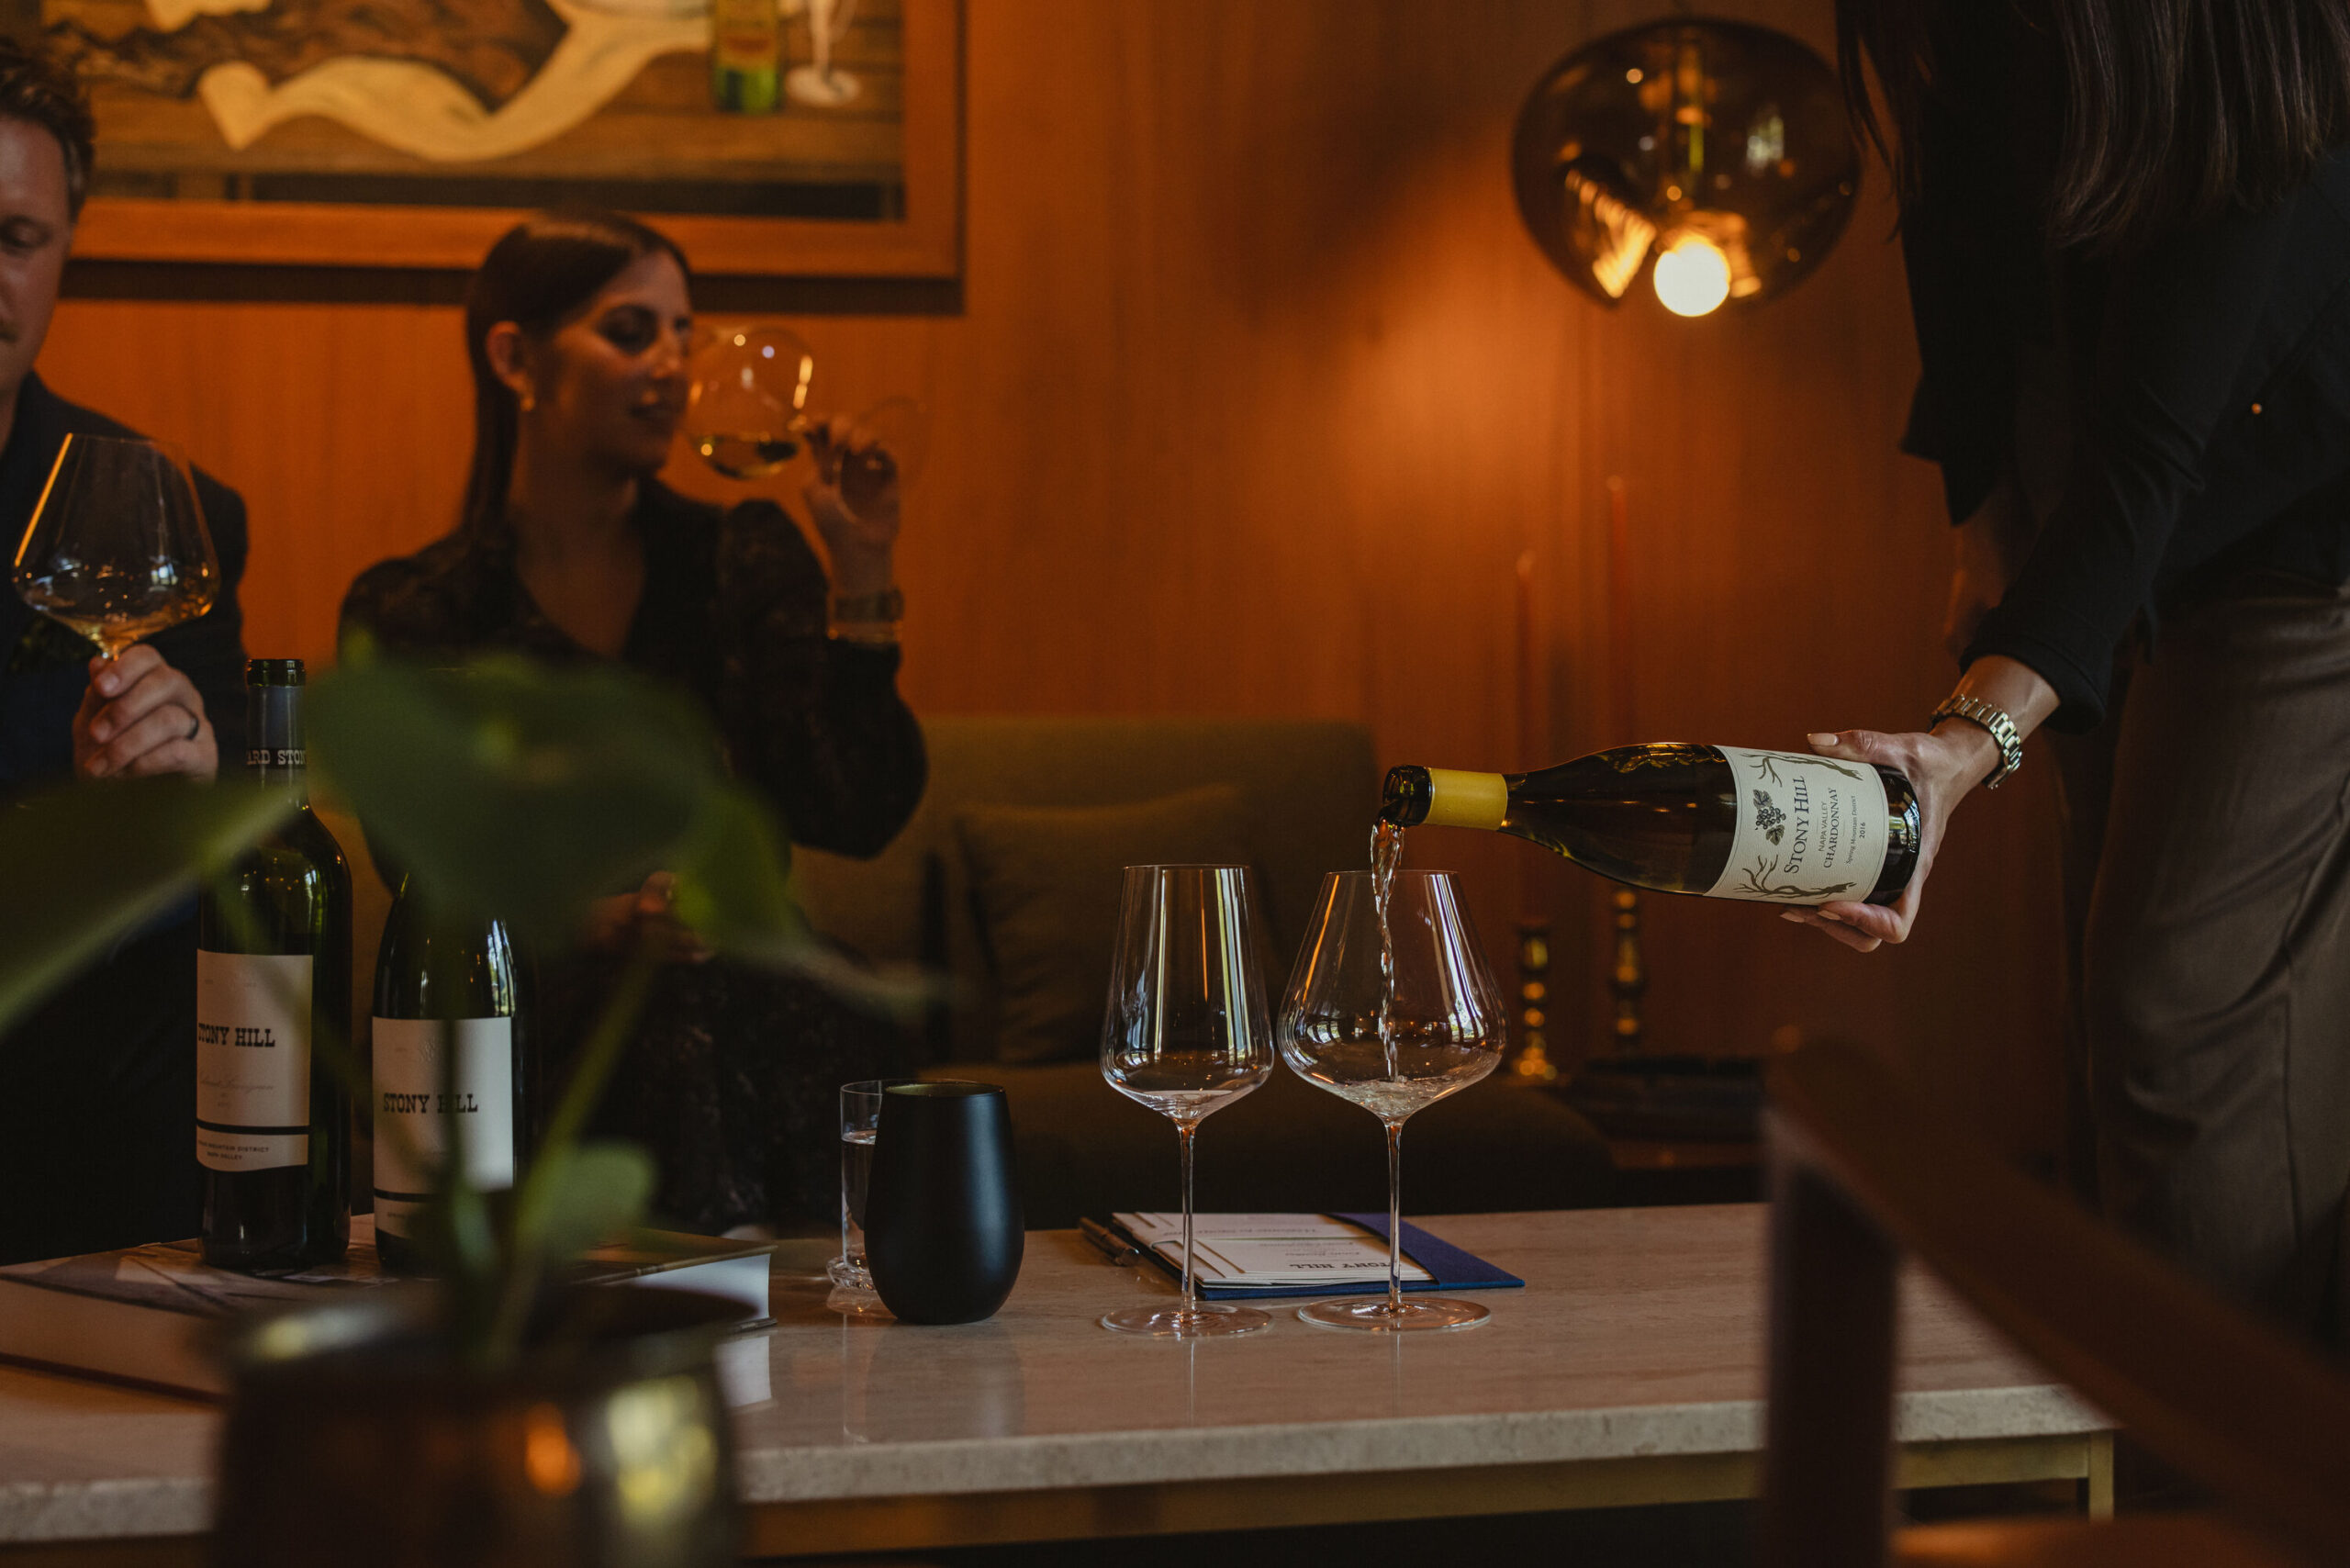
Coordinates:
1780	828
272	974
449	1067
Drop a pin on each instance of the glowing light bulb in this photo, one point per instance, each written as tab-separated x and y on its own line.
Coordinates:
1692	275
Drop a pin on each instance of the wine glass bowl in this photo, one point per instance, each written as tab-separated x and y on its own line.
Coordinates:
1394	1034
748	398
1186	1033
116	549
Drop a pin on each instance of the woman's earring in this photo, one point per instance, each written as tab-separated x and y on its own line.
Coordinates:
529	402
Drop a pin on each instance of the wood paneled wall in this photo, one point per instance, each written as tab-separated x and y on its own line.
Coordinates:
1256	394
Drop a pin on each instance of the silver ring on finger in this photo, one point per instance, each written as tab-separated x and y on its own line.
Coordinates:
194	727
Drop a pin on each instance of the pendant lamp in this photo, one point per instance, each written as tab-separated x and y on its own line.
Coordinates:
1714	157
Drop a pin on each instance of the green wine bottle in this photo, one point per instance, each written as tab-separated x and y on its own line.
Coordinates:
273	977
1780	828
452	1067
745	56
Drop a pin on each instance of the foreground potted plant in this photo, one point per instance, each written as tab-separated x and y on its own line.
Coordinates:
493	1416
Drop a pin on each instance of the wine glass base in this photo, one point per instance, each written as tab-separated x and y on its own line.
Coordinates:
1373	1316
1206	1320
849	1274
824	89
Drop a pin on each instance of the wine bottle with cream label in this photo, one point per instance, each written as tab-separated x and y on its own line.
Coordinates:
272	974
450	1073
1721	821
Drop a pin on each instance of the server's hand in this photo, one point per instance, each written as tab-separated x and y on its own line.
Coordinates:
1942	767
140	717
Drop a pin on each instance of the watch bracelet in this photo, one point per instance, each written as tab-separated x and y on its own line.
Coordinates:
1994	722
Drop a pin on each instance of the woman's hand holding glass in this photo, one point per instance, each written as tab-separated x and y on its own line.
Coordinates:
751	409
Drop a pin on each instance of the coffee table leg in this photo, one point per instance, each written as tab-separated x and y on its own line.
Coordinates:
2101	1477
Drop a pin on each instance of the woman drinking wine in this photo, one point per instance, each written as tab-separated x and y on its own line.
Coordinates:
569	550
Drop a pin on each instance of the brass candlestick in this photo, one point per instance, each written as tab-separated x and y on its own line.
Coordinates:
1532	1063
1630	977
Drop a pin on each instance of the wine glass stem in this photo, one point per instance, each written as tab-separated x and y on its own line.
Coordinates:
1183	1131
1394	1215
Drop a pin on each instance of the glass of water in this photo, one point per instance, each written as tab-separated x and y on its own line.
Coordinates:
860	1115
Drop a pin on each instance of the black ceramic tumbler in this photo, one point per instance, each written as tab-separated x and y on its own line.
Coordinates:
942	1217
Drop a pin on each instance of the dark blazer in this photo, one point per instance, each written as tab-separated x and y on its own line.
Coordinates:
2207	376
97	1088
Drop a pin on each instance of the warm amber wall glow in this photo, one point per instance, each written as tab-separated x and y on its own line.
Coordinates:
1257	396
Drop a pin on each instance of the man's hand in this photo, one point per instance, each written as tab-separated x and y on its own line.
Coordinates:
140	717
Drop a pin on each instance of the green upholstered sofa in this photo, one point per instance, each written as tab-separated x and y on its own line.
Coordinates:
1298	795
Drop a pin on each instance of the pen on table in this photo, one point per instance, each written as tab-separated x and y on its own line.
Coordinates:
1108	1242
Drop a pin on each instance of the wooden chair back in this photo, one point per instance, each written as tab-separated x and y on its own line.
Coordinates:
1862	1171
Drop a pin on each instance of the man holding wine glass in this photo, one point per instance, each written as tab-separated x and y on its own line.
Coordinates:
95	1088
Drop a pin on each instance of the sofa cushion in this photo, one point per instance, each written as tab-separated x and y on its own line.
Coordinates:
1309	787
1045	883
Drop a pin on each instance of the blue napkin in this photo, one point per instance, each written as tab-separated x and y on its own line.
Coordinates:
1453	1269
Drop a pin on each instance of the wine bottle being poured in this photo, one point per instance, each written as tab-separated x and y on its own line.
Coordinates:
1778	827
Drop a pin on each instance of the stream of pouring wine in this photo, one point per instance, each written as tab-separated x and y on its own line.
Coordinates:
1386	855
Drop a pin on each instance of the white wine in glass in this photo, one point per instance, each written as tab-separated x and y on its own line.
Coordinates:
1187	1033
747	410
1391	1006
116	549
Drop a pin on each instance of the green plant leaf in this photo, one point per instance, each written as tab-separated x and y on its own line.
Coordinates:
509	787
734	881
88	863
600	1188
734	891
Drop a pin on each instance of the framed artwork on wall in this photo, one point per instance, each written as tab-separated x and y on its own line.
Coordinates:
771	138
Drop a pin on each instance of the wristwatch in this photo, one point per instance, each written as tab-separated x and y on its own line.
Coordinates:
869	619
1995	719
890	604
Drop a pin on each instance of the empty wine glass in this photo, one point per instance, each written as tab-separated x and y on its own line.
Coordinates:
1187	1033
1391	1046
118	549
748	398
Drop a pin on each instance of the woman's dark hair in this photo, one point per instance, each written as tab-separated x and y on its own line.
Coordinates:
541	272
2174	110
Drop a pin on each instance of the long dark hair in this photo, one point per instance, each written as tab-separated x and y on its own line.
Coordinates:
2174	110
540	272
